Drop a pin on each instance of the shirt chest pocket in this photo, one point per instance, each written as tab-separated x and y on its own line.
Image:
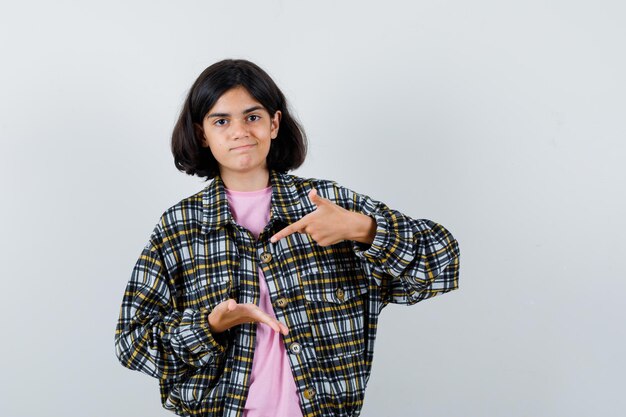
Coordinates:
215	260
335	306
207	295
210	264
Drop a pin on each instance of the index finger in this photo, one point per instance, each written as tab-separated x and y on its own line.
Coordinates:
265	318
292	228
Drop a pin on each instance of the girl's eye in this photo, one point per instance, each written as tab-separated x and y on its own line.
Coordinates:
220	122
253	117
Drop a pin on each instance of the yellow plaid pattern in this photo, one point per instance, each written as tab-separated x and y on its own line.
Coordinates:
330	297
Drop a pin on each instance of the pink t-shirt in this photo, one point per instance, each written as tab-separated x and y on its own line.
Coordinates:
272	387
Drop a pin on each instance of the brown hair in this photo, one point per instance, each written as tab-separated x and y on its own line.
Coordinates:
287	151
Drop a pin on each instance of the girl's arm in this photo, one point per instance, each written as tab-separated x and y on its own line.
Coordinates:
152	335
414	258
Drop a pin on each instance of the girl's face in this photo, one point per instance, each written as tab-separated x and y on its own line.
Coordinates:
239	130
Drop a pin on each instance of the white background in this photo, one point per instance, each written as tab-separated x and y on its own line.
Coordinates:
503	121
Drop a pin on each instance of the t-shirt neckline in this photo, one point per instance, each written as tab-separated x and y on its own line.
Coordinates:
248	193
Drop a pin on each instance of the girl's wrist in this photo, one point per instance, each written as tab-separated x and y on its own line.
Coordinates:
363	228
212	325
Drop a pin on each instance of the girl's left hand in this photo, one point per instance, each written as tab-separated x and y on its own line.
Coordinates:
331	223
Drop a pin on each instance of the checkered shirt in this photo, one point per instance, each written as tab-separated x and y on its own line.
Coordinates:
329	297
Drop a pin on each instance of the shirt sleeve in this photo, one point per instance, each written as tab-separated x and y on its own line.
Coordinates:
152	335
414	259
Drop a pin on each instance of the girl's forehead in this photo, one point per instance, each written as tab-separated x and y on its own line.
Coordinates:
234	99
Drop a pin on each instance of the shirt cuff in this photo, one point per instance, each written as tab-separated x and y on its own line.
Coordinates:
376	251
207	341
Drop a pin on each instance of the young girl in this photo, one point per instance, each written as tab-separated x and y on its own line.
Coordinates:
260	294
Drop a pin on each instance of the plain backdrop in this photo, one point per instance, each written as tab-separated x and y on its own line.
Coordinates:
503	121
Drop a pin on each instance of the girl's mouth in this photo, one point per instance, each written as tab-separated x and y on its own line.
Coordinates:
244	147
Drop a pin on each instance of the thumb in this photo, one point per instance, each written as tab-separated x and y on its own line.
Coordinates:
231	304
315	197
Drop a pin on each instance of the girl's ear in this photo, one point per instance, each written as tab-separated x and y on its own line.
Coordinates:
275	124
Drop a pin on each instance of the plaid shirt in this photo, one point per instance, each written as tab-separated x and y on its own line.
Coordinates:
329	297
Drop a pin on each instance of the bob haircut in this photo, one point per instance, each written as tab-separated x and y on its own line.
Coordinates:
287	151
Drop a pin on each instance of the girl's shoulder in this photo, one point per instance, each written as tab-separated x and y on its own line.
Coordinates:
295	189
304	184
182	216
326	188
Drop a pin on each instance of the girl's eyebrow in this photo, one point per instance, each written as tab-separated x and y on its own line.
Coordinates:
246	111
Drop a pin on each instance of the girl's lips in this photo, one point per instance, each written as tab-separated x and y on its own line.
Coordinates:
242	147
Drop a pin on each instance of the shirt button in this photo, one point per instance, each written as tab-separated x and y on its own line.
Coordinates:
295	348
309	393
282	302
266	257
340	294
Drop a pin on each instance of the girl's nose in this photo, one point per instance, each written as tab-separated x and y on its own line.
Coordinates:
239	129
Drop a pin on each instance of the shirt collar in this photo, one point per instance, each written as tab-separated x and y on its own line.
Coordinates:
285	203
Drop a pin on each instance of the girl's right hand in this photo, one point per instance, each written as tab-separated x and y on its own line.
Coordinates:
228	314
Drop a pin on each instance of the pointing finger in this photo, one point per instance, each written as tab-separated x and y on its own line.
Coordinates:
292	228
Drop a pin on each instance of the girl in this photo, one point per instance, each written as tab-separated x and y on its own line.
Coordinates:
260	294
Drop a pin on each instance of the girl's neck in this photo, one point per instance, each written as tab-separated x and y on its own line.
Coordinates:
248	181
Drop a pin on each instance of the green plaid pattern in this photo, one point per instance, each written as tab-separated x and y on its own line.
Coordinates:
330	297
